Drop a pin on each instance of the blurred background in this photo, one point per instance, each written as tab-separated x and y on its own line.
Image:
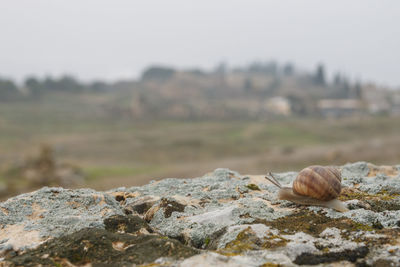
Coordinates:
104	94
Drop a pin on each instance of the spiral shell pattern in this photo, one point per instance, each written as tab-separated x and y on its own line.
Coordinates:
319	182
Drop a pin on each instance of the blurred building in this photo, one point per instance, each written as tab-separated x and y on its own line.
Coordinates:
340	107
278	105
376	99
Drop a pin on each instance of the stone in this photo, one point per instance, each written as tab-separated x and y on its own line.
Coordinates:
99	246
222	218
140	204
30	219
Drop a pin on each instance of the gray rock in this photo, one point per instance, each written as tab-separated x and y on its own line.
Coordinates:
29	219
236	219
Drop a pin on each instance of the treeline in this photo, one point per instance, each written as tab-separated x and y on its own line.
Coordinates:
267	68
8	90
34	87
339	87
270	68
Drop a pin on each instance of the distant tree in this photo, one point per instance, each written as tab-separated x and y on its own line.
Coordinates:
288	69
319	77
99	86
197	72
256	67
270	68
49	84
68	84
341	86
274	86
248	85
221	68
337	79
34	86
357	90
158	73
8	90
345	85
298	105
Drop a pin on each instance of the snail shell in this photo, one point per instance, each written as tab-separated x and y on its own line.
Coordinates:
315	186
319	182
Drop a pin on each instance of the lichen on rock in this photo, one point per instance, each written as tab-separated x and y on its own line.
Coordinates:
222	218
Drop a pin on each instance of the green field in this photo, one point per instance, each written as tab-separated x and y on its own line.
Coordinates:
115	150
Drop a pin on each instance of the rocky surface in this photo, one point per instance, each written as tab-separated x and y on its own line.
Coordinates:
222	218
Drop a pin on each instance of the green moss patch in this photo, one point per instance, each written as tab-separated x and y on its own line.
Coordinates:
315	223
353	193
274	241
376	202
389	236
382	205
312	223
248	240
245	240
253	187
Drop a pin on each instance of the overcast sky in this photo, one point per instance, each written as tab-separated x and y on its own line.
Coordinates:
98	39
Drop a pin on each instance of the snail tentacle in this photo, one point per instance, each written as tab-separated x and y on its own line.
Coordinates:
273	180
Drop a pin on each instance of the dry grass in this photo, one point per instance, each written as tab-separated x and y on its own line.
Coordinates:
116	151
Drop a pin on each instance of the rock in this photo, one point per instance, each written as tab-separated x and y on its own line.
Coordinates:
98	246
216	259
140	205
30	219
222	219
126	224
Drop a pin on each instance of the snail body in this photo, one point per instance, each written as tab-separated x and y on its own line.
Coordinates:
314	186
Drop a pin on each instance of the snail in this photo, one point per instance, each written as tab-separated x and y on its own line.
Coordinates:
315	186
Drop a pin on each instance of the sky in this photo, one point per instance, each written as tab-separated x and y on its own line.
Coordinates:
114	39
